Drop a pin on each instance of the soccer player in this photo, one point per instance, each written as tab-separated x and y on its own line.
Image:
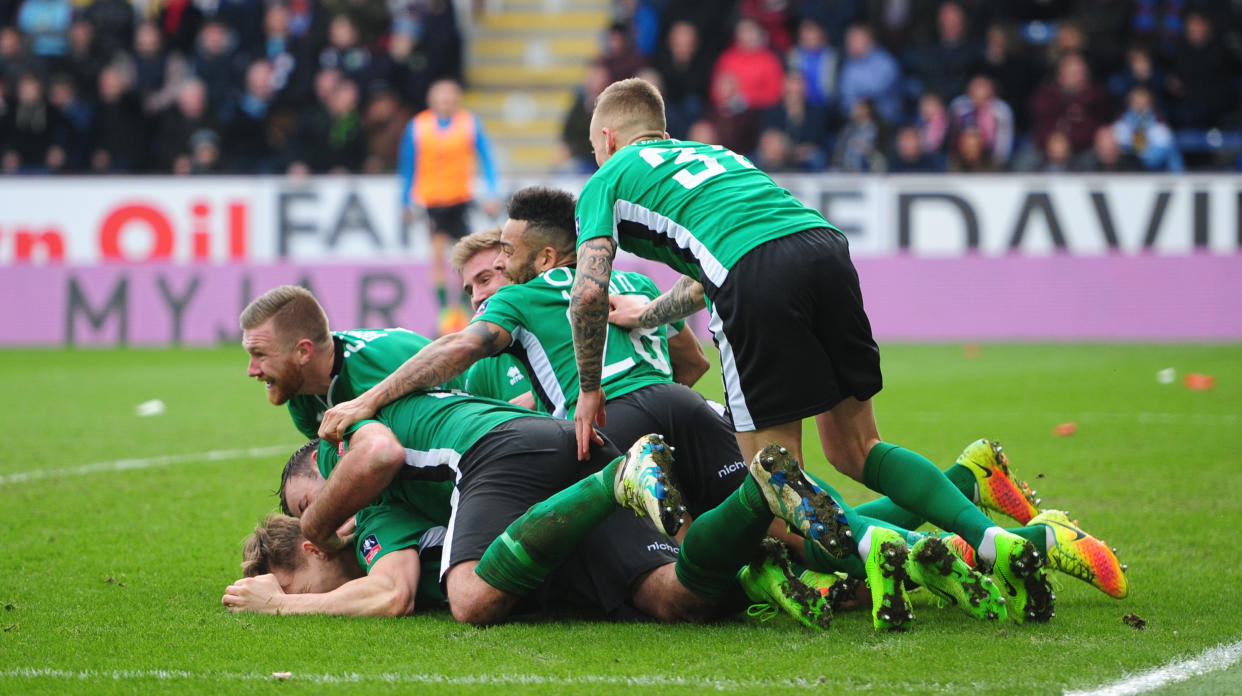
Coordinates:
528	318
786	314
308	367
436	163
501	376
501	461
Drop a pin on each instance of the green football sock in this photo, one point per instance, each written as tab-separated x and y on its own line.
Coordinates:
917	485
885	509
1037	534
539	541
722	540
441	297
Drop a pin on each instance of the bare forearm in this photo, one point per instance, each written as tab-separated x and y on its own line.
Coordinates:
374	457
371	595
682	300
446	358
588	310
687	356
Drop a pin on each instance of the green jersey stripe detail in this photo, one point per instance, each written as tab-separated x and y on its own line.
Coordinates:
438	464
543	371
678	235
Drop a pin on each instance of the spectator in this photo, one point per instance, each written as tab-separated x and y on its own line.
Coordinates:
859	144
773	17
816	62
736	124
1058	153
370	19
1071	104
244	18
345	51
1103	24
291	60
644	17
804	125
897	24
620	58
204	157
1138	132
217	64
83	61
869	72
1013	73
908	156
1158	22
334	142
245	148
943	66
575	153
932	124
1140	69
702	131
405	68
117	142
440	40
980	109
180	21
113	21
73	123
685	69
1200	101
1106	155
176	127
14	58
384	121
835	16
31	125
755	70
775	153
47	24
969	154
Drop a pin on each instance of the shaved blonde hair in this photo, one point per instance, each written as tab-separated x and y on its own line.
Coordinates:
295	314
630	107
471	244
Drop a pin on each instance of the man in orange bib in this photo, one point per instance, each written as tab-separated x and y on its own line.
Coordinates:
437	162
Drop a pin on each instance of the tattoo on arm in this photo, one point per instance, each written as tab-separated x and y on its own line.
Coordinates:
446	358
682	300
588	309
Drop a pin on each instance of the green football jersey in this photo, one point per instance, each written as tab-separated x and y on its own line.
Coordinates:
405	515
536	314
364	357
698	208
498	377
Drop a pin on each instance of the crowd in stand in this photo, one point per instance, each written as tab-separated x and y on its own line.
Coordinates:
261	86
933	86
211	86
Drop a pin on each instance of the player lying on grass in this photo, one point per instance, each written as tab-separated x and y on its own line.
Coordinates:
503	460
786	311
302	567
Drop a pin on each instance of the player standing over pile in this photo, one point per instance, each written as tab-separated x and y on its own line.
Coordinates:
786	314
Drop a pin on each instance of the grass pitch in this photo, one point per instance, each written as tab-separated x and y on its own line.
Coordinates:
120	536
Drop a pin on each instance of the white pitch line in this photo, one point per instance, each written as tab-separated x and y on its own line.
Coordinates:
641	681
1142	417
1211	660
148	463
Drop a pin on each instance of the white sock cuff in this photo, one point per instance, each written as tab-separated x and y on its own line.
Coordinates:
987	548
864	544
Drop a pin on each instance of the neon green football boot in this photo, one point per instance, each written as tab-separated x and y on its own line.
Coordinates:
1019	572
770	582
886	576
934	566
996	488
